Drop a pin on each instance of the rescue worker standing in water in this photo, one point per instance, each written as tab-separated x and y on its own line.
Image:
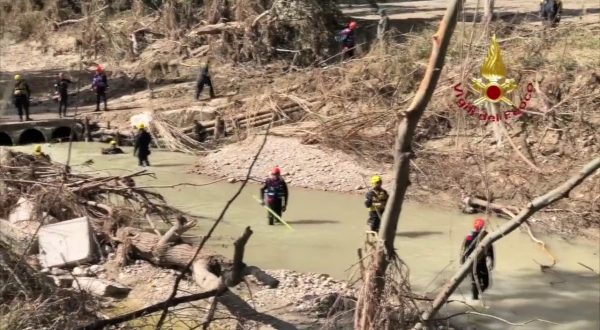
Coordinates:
113	150
376	200
484	262
275	192
39	154
142	146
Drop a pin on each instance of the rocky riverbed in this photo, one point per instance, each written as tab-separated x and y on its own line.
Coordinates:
300	298
306	166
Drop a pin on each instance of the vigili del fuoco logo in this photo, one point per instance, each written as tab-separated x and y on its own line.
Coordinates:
494	90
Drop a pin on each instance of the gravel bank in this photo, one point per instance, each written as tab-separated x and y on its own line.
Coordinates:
306	166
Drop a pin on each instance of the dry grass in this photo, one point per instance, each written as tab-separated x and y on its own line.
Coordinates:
29	301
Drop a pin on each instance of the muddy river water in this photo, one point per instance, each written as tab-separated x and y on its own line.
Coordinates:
329	227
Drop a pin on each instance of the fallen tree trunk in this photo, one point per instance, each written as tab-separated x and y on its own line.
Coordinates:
537	204
57	25
217	28
210	271
483	204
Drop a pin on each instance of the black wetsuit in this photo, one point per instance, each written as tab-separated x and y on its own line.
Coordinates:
376	200
142	147
275	191
481	272
204	79
62	87
112	151
21	96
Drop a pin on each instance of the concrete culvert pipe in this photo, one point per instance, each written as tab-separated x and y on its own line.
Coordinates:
5	139
62	133
31	135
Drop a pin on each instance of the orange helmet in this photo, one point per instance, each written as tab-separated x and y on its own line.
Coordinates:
479	224
352	25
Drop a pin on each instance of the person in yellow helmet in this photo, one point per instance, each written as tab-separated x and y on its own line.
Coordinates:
375	200
21	96
39	154
142	146
113	149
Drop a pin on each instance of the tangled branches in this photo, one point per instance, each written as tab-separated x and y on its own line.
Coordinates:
29	301
399	309
62	195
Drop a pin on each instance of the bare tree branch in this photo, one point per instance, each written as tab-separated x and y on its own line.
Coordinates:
149	310
516	324
208	235
370	297
537	204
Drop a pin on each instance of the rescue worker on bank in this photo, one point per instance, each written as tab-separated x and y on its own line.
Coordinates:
99	86
39	154
348	40
275	192
204	79
382	26
62	88
113	149
142	146
21	95
550	11
375	200
480	275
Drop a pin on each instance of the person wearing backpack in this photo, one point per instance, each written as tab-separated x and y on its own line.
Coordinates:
99	86
348	40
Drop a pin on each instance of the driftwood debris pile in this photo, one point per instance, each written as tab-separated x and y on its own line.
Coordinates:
116	210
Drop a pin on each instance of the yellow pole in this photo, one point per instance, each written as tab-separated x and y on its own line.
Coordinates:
273	213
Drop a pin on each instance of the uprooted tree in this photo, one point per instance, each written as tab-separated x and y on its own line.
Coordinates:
299	30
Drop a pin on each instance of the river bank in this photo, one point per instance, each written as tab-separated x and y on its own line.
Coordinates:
329	227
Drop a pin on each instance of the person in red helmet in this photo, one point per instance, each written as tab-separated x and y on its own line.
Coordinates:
480	276
275	193
348	40
99	86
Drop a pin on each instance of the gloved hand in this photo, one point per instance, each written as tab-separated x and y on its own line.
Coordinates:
489	263
283	209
